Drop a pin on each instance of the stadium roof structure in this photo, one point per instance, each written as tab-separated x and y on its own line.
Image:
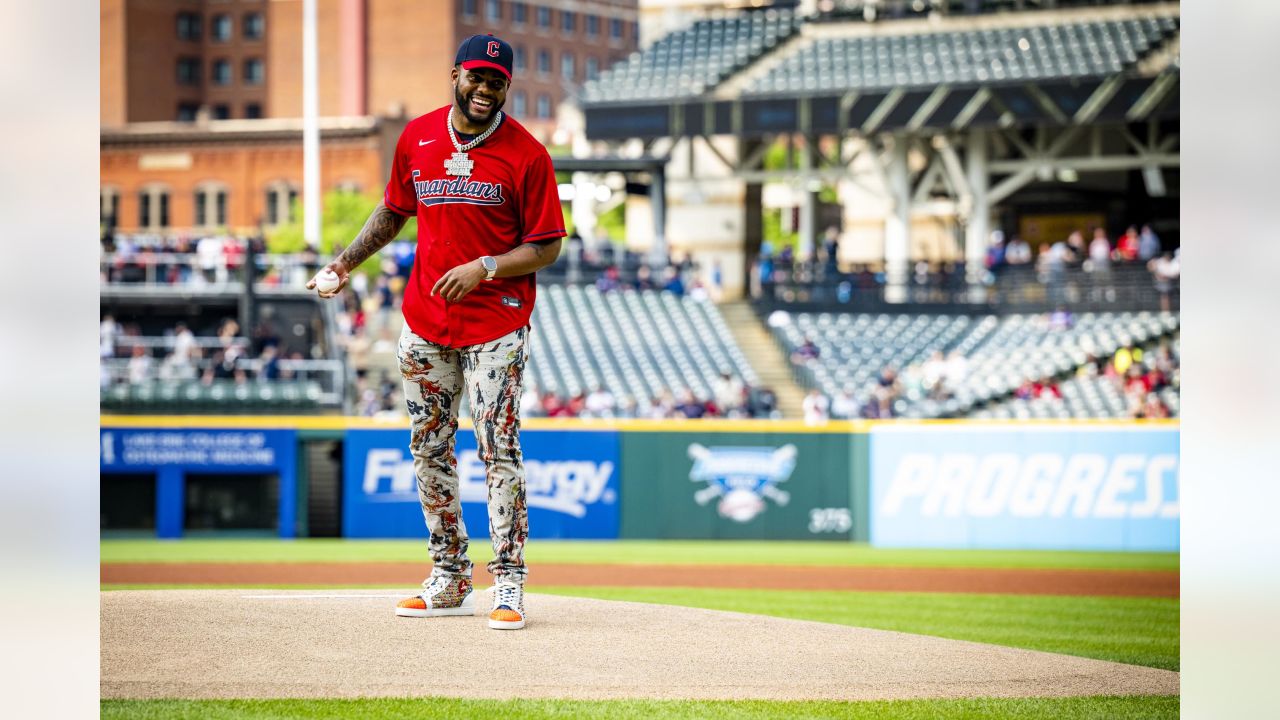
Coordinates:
762	73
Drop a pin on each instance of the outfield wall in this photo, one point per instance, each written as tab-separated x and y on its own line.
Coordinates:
1095	485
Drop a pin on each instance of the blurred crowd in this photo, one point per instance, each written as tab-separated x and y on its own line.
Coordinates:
730	398
178	355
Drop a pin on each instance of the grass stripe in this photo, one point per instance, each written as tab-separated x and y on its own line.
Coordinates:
677	552
1097	707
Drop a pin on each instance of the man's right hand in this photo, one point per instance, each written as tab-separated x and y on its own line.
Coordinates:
343	277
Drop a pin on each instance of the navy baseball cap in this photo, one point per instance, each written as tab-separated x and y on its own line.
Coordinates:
485	51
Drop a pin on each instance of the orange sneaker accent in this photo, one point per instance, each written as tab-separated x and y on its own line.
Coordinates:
502	615
413	603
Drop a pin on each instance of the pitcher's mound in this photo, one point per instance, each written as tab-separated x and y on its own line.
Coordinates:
313	644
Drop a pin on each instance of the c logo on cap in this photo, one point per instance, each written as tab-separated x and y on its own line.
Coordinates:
492	49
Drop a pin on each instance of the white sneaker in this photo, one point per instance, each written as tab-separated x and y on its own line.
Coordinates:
508	606
443	595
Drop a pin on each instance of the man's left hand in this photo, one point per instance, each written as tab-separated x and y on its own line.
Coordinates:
457	282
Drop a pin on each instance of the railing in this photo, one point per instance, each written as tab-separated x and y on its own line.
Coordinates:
1010	289
192	270
327	375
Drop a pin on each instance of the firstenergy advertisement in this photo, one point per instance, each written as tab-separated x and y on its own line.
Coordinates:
1081	488
571	484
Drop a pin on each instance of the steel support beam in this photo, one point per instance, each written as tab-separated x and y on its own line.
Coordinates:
977	178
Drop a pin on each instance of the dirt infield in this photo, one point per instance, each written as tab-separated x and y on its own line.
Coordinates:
1132	583
301	644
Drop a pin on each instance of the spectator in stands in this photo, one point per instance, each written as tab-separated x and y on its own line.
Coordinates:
1018	252
1148	244
1152	408
1075	242
831	252
644	278
689	406
108	331
1099	253
1026	390
933	371
1052	263
599	403
957	368
531	401
627	408
139	365
996	251
554	406
1165	270
1127	245
816	408
672	282
663	406
608	280
729	394
845	405
1047	389
576	404
806	352
270	364
1125	357
763	403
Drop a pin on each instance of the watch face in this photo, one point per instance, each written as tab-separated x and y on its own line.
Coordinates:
490	264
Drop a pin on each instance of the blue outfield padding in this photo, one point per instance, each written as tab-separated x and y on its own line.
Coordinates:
1069	488
571	483
172	453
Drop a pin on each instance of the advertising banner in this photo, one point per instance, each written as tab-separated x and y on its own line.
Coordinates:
141	450
1082	488
173	453
571	483
738	485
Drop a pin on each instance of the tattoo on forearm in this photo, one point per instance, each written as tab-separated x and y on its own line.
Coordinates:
381	228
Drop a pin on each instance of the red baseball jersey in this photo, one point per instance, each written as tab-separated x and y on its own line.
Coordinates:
510	198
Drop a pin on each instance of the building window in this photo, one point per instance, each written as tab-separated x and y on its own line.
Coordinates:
187	111
221	112
188	71
221	28
544	62
211	206
544	17
252	111
493	10
544	106
568	21
567	69
280	202
253	71
469	8
593	68
188	26
593	25
519	13
520	58
253	26
109	206
519	103
153	208
615	28
222	72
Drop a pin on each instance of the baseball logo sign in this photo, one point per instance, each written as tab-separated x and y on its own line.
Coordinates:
492	49
741	477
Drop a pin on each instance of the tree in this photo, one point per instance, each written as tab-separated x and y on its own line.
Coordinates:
343	216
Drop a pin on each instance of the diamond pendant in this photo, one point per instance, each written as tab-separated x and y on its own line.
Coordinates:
459	165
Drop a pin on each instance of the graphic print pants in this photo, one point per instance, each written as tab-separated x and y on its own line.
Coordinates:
434	377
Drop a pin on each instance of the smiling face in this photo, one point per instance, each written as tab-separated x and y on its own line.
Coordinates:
478	93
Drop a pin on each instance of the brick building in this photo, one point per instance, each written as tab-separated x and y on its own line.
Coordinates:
218	87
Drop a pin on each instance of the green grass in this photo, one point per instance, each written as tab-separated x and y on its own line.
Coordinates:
1138	631
660	552
1110	708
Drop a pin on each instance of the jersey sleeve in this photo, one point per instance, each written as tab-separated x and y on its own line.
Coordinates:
541	217
399	196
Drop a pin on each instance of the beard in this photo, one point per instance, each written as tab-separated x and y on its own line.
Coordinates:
464	104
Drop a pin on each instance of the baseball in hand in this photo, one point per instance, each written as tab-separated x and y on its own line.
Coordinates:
327	281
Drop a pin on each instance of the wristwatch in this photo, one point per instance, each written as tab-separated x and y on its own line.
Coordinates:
490	266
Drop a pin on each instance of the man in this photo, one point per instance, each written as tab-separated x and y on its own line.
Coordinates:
484	193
